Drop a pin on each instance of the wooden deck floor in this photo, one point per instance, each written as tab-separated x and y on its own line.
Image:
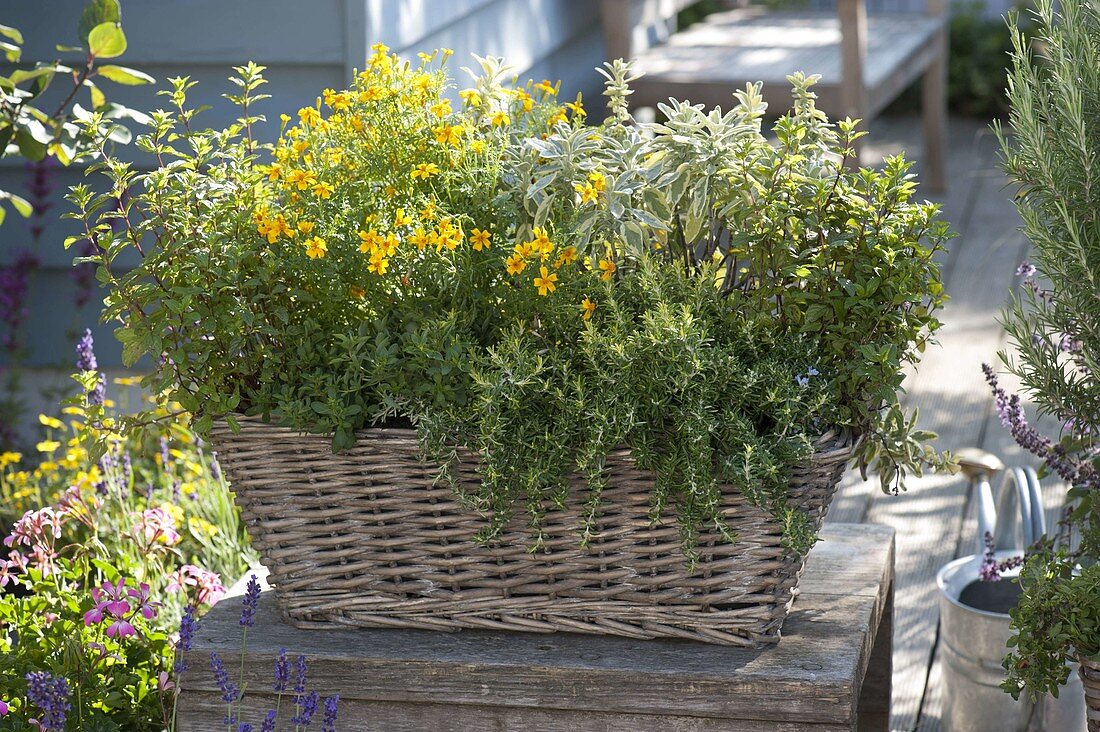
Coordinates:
933	518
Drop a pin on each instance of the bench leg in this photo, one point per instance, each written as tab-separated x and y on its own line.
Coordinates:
934	107
873	713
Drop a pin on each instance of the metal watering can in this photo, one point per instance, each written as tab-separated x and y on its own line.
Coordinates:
974	615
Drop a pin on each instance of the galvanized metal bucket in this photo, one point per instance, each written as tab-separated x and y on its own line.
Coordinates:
974	640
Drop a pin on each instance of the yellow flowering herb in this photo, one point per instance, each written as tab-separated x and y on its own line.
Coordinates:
448	134
52	422
441	109
500	118
428	212
389	245
568	256
587	308
515	264
576	107
424	170
401	218
547	88
306	227
597	180
309	116
525	99
378	263
420	238
588	192
545	282
477	146
10	458
324	190
315	247
607	268
47	445
370	241
480	239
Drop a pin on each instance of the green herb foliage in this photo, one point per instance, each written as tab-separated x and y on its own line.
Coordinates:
508	278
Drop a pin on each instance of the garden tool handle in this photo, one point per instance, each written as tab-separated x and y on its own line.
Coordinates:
1020	486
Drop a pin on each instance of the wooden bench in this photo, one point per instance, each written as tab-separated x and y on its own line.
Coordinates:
831	670
864	62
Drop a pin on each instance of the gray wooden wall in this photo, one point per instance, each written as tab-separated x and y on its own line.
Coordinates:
307	46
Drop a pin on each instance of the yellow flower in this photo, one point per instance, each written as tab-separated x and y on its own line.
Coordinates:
448	134
470	97
401	218
324	190
356	122
607	268
301	179
477	146
423	84
547	88
597	180
47	445
587	308
557	117
274	228
391	191
378	263
424	170
309	116
545	283
421	239
441	108
315	247
588	192
577	108
480	239
389	245
371	93
500	118
306	227
515	264
51	422
525	99
274	171
428	211
542	238
568	256
357	292
371	241
525	249
10	458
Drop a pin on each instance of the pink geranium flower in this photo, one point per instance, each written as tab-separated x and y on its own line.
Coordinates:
208	584
156	525
144	606
109	600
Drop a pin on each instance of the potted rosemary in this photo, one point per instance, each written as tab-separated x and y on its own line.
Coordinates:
474	362
1050	151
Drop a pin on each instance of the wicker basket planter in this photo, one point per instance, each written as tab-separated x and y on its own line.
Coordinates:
1090	679
364	538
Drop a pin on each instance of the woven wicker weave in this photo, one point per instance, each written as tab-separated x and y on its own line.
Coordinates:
365	538
1090	679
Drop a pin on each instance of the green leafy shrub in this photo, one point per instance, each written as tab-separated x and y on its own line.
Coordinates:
506	277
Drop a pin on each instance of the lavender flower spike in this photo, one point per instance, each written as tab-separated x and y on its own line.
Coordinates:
268	724
307	705
51	695
328	724
85	361
251	600
188	625
282	672
229	691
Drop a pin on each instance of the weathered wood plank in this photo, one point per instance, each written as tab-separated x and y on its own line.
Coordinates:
207	712
812	674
